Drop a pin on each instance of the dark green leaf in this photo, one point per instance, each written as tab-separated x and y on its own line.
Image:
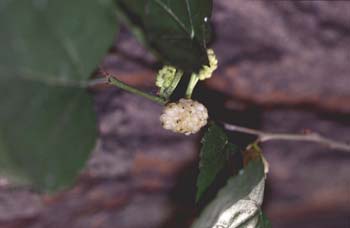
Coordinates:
263	221
48	51
214	154
238	203
177	29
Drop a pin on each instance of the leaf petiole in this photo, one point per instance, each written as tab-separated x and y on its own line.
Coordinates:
116	82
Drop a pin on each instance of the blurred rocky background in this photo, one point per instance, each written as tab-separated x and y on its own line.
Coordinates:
284	67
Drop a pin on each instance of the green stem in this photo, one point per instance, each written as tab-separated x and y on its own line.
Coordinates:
115	82
191	85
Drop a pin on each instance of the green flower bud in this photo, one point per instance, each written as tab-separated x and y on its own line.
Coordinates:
207	71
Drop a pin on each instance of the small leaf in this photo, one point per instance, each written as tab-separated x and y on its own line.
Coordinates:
213	157
238	204
48	51
178	30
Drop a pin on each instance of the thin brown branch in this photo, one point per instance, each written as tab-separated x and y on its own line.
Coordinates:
313	137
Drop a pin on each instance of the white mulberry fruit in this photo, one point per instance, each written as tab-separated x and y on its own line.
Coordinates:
186	116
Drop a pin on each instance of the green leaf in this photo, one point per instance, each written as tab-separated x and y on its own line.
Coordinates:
48	51
214	155
177	29
238	204
263	221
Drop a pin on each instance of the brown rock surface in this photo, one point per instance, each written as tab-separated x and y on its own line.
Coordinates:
285	52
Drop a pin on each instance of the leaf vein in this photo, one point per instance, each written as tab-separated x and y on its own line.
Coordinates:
173	15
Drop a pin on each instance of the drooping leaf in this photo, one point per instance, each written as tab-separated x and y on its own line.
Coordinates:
177	29
48	51
238	204
214	154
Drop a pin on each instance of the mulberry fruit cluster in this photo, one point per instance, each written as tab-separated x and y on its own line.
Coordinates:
186	116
